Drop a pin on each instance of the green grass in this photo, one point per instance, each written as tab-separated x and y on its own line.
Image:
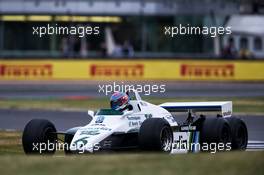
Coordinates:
242	105
13	161
242	163
10	143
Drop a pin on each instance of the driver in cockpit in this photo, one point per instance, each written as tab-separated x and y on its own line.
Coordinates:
120	101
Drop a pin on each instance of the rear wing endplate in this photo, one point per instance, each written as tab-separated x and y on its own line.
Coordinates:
225	107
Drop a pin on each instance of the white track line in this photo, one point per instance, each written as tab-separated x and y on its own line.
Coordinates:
255	145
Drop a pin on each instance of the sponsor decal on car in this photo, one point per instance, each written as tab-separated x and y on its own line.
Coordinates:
93	132
133	118
98	124
180	142
188	128
103	128
134	123
227	113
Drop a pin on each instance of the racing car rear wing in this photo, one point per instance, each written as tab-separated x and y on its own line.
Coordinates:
224	106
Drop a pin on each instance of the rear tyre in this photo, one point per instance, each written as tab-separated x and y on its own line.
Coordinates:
39	137
216	134
155	134
239	133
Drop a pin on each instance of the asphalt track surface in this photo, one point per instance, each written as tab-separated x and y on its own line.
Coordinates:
11	119
14	119
173	89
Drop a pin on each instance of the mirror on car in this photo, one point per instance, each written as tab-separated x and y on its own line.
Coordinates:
130	107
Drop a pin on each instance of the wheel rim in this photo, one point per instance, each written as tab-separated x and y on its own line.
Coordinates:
166	139
47	135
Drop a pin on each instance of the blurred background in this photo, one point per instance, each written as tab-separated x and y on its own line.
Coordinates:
132	28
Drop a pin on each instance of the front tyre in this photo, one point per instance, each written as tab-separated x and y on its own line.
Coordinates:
155	134
39	137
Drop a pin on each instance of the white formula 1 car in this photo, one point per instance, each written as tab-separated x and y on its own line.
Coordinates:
144	126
